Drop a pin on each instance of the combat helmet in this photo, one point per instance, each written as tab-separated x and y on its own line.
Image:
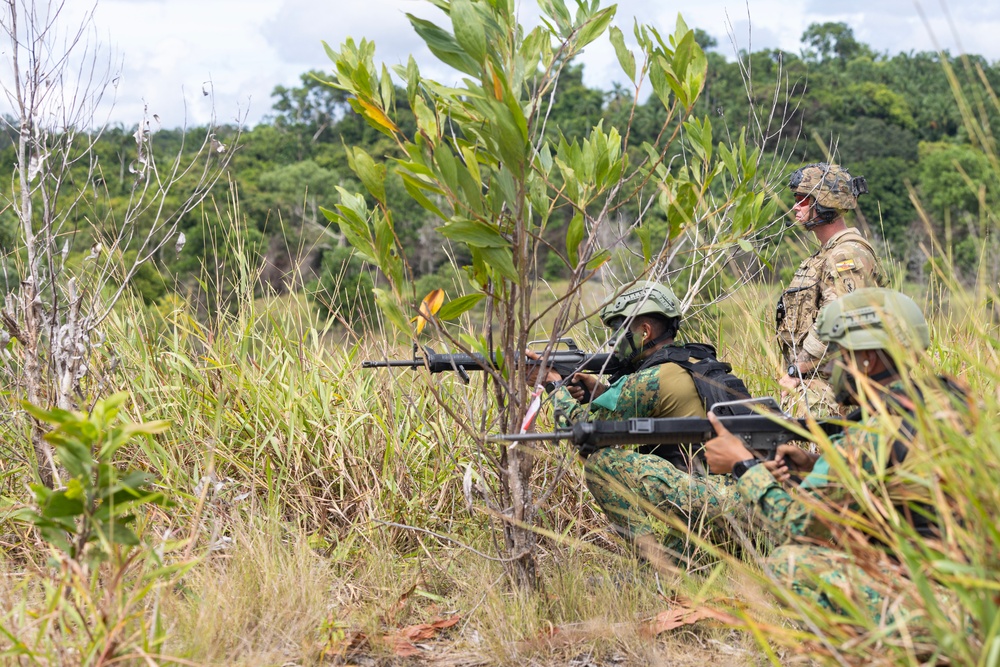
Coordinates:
642	298
872	318
832	188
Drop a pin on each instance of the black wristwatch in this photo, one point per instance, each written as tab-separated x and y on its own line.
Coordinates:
793	370
550	387
740	467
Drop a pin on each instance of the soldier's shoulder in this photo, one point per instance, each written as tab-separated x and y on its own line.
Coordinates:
852	254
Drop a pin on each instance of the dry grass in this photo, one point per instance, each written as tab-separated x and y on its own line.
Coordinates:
288	464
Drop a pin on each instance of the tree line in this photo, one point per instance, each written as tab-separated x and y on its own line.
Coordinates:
896	119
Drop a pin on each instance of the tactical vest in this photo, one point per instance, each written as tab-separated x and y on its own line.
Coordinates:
713	380
800	304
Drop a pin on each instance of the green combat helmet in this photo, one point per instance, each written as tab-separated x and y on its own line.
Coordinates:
872	318
642	298
831	186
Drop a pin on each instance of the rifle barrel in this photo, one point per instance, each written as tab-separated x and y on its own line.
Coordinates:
529	437
411	363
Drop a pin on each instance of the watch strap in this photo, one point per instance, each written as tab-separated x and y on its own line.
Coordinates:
740	467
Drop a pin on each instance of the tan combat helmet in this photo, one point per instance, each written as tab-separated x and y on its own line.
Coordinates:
831	186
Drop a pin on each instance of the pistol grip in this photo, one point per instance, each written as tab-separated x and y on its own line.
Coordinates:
586	392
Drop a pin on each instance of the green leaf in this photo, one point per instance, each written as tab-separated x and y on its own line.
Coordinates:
462	304
473	233
501	261
444	47
645	234
415	189
118	533
470	32
745	246
625	57
472	164
545	158
387	304
426	120
595	27
372	175
62	504
447	167
574	235
598	260
54	416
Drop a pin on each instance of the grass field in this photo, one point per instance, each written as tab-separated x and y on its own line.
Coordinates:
320	518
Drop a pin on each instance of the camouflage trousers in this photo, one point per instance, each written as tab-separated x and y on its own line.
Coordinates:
642	494
828	578
832	579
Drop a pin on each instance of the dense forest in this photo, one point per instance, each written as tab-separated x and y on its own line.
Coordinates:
889	117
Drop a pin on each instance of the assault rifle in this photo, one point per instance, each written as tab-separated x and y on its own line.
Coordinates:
762	431
565	362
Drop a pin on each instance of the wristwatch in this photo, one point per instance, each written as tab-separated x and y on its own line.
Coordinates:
740	467
793	370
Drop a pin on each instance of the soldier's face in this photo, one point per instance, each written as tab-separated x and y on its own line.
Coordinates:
802	211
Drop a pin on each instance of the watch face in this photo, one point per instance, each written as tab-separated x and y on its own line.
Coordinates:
793	370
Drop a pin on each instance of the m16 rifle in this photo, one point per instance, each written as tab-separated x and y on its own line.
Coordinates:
762	432
565	362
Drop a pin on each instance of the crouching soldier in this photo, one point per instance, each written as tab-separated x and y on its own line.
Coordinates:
652	490
874	485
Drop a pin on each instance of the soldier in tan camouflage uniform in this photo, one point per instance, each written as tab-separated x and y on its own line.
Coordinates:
844	262
637	489
874	335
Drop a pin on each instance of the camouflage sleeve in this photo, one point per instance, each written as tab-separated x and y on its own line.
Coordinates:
784	516
636	395
848	267
566	409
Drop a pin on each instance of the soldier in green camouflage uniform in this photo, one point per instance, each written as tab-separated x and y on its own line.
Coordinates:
844	262
637	490
874	334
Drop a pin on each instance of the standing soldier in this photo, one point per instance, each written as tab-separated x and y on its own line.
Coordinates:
845	261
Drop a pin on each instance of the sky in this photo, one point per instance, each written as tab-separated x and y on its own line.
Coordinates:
173	52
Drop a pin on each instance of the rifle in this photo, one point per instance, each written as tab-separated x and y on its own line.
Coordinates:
565	362
761	432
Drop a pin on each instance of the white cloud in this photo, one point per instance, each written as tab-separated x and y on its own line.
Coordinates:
246	47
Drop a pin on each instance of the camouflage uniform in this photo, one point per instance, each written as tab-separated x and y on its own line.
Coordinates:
809	561
845	263
632	488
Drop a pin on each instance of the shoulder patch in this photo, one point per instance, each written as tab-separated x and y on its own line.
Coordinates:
846	265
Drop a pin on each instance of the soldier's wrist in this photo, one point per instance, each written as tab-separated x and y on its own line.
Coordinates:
740	468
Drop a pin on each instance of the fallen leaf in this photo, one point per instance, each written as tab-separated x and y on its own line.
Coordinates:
402	641
390	616
675	618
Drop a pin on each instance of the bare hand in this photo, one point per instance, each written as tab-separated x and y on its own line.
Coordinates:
788	383
797	460
778	470
581	383
532	373
725	449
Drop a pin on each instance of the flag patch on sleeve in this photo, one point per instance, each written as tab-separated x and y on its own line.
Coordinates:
846	265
